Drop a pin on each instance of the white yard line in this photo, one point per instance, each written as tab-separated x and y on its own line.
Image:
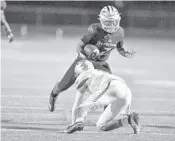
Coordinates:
159	112
165	83
29	108
87	132
46	97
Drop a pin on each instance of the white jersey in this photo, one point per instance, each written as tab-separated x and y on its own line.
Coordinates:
95	80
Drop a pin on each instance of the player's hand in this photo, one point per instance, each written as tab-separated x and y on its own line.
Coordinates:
94	54
78	126
130	53
10	36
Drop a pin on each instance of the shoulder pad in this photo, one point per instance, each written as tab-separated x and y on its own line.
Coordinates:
119	34
121	31
93	27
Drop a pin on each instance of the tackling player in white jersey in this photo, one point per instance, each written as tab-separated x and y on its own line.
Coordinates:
104	89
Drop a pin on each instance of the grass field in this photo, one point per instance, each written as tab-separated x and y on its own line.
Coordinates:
30	68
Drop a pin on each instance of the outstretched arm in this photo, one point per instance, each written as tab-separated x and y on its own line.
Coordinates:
128	53
77	102
81	89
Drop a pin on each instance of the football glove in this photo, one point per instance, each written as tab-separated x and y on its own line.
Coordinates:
94	54
78	126
130	53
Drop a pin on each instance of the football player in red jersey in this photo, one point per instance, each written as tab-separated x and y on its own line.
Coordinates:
106	36
5	23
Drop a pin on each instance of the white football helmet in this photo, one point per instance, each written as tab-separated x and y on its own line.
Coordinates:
109	18
82	66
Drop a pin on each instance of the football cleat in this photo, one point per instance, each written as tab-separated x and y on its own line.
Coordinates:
10	36
78	126
134	121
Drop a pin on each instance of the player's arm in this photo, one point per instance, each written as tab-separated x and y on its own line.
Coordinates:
88	38
81	88
83	42
124	51
77	102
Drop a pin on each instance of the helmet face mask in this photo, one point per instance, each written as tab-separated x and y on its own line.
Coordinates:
82	66
110	19
110	25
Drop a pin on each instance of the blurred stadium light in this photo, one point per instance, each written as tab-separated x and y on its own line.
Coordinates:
147	15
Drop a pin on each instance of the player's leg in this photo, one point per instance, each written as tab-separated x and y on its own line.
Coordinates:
112	119
100	98
66	82
107	120
113	116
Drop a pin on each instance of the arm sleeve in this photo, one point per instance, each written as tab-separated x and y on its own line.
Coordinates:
128	53
121	49
120	45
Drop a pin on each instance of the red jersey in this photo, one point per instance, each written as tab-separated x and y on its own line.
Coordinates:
105	41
